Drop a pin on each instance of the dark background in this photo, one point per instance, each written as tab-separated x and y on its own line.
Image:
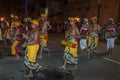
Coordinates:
18	6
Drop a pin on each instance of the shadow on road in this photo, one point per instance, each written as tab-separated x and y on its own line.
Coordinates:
83	58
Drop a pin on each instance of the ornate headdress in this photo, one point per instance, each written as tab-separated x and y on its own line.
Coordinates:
43	15
17	23
13	16
71	18
94	18
35	22
3	19
74	19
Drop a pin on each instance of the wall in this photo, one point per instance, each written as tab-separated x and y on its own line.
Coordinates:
88	9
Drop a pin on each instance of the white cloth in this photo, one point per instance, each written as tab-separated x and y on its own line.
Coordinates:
0	35
110	43
8	35
83	44
0	38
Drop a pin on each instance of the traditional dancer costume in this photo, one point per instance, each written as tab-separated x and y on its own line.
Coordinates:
31	52
110	34
44	34
84	34
31	55
70	52
71	45
0	34
93	36
16	40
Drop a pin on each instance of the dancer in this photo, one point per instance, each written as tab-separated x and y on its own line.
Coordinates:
32	50
93	37
15	40
70	52
84	35
110	35
44	35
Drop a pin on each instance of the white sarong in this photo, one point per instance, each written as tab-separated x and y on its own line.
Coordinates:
110	43
83	44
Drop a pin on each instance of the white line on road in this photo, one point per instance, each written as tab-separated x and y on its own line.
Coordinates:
112	60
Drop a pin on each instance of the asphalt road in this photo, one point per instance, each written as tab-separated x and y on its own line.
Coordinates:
101	67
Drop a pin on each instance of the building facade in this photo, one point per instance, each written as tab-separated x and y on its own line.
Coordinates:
103	9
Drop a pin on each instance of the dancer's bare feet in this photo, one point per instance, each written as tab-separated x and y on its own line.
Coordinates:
30	74
39	68
40	57
49	54
75	67
17	57
88	55
63	67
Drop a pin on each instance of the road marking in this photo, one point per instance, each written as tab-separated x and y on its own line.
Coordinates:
112	60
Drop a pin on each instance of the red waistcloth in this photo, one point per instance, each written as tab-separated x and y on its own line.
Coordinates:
38	40
110	30
74	45
84	31
16	53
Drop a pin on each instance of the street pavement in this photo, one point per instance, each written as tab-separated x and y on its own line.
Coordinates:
101	67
